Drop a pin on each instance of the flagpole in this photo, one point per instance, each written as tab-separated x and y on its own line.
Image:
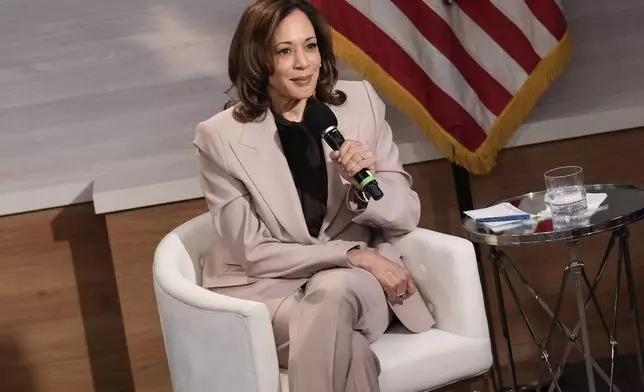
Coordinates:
465	202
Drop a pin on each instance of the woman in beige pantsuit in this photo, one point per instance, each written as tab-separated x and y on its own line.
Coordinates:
292	229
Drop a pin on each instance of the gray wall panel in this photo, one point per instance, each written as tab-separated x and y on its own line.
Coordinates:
111	91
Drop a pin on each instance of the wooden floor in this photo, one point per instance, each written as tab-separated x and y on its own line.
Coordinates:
77	308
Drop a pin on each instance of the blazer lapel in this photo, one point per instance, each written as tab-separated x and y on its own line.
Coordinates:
337	185
260	153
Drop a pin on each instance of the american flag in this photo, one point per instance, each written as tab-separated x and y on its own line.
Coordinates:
467	71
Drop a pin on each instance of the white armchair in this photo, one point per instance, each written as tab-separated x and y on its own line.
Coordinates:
218	343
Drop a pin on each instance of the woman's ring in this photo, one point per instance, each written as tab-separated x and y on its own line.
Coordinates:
361	156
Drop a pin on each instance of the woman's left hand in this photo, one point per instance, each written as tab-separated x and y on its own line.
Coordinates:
352	157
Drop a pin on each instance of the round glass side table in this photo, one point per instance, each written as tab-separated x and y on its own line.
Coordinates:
623	206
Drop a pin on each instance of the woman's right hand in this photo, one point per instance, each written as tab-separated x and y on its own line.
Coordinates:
395	279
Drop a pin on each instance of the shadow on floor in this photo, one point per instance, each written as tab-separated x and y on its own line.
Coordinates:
88	240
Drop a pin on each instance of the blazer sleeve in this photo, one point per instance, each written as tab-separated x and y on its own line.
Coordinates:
398	212
237	224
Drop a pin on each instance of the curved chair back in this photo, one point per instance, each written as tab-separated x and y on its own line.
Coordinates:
213	342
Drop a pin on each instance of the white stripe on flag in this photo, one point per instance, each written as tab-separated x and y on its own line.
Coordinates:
440	70
496	61
519	13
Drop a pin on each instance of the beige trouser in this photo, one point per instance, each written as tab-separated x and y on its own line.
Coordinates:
324	329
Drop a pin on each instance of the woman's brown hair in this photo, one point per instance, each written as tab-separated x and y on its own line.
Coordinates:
250	60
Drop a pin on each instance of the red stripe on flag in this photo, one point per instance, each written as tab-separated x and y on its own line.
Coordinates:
357	28
550	15
503	31
493	95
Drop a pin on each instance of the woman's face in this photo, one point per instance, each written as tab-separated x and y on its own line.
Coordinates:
296	59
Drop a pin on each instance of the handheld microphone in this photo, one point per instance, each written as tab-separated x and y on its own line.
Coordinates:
321	121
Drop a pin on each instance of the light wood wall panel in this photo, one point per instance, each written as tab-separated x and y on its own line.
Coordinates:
61	327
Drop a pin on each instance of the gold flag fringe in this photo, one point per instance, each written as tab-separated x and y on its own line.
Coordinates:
483	160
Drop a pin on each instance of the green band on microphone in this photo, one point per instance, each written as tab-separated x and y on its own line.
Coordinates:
366	181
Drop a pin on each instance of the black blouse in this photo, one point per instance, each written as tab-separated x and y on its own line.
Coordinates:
305	158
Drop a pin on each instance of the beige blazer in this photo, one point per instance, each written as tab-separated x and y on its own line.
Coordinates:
262	247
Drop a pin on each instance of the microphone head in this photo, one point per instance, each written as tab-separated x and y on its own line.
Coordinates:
318	117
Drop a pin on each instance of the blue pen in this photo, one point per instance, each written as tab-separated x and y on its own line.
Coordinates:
503	218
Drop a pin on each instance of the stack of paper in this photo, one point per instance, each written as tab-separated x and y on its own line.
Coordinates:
503	215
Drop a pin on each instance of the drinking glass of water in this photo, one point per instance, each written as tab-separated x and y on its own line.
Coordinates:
566	193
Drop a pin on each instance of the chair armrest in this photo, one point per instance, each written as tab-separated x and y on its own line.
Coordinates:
213	342
445	271
196	237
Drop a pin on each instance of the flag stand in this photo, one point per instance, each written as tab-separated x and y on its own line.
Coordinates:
465	202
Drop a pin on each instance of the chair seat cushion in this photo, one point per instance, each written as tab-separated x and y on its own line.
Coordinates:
420	362
429	360
284	379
